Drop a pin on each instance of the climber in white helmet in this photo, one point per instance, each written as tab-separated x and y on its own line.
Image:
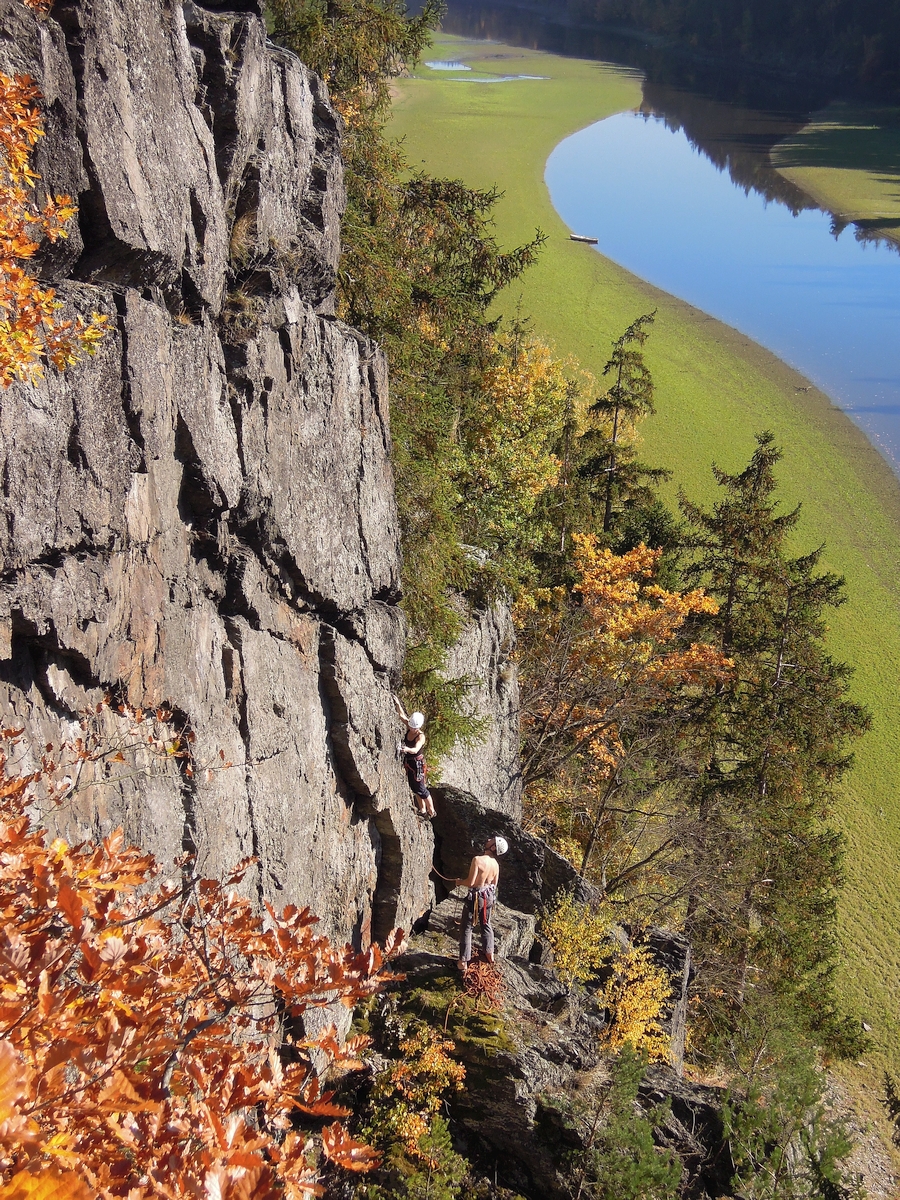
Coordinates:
414	761
482	884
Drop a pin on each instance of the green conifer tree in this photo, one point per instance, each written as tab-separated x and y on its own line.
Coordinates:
603	488
619	1160
628	400
766	863
419	270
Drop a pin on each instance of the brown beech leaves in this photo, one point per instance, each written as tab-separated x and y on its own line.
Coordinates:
145	1046
30	329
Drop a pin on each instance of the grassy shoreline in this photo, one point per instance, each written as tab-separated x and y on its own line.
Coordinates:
715	388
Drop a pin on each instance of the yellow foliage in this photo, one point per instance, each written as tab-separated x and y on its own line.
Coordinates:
638	992
551	813
427	1069
509	460
29	328
431	331
527	390
408	1097
51	1185
578	937
637	996
568	848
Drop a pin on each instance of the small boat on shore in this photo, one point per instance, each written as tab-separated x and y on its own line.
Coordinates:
579	237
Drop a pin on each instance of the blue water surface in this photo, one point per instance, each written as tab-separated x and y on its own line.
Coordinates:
830	306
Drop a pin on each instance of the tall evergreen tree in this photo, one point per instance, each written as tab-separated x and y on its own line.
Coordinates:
765	862
628	400
602	488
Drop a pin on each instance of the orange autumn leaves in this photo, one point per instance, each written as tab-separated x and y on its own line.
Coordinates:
633	622
141	1025
606	653
30	329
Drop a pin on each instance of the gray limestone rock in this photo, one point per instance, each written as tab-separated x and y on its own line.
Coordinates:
153	213
673	952
515	1110
199	523
483	654
38	49
201	518
693	1129
277	151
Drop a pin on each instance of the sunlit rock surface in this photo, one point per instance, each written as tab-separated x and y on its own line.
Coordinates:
202	517
489	770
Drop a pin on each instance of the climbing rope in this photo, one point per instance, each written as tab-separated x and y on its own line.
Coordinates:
446	878
484	983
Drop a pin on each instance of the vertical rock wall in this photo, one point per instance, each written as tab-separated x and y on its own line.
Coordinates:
202	516
489	770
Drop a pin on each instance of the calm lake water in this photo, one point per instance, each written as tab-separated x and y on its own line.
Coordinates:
829	305
684	195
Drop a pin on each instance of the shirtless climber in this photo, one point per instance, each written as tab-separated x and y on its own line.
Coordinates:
482	884
414	761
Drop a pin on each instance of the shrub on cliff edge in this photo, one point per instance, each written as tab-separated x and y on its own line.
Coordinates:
30	329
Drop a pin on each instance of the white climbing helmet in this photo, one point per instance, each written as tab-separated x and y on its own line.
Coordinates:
417	720
501	845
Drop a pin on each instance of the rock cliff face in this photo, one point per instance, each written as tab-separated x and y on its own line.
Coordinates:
489	770
202	517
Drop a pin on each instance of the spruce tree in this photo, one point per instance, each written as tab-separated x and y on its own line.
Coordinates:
620	1160
765	864
602	487
628	400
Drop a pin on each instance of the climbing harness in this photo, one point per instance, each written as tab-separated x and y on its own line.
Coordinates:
483	893
480	898
416	769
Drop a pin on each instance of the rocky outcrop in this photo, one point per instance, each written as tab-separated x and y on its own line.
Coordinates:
201	518
529	1065
532	874
490	770
199	523
673	953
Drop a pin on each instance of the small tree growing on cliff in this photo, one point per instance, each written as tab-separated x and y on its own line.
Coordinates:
30	330
619	1160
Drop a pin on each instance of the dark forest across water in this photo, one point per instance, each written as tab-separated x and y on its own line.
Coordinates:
848	45
856	40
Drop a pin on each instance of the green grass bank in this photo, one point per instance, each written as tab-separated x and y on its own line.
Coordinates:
715	388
